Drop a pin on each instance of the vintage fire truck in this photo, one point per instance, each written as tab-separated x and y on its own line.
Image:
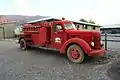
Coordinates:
63	36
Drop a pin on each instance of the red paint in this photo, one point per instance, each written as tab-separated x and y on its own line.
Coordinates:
75	53
83	44
44	34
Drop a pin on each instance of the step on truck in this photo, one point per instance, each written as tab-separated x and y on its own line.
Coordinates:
62	35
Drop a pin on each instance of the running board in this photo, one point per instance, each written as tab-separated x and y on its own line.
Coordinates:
45	48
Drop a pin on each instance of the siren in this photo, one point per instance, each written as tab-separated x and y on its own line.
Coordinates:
63	18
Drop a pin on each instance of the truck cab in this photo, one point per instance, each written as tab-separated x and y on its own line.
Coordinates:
63	36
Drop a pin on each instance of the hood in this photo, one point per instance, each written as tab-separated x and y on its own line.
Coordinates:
84	32
87	35
79	32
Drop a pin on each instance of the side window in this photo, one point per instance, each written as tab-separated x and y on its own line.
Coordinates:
57	27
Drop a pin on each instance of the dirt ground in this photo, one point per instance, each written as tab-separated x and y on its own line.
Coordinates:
38	64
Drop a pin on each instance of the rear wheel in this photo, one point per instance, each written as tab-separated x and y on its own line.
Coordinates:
23	44
75	54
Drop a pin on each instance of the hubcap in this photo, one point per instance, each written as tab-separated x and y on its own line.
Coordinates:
74	53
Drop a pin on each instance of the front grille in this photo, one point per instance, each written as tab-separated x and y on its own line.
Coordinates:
97	43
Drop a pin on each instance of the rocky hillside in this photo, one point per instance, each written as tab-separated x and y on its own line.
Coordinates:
18	18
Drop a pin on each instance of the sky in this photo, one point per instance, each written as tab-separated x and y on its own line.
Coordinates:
103	12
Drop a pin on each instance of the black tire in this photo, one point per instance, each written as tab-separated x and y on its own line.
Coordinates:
23	44
79	51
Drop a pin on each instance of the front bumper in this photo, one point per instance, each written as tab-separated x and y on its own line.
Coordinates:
95	53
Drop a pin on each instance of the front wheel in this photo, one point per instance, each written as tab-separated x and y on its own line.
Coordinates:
75	54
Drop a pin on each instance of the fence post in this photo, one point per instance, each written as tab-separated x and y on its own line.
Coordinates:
3	33
105	41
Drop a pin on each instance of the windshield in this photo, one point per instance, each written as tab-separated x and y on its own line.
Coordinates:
69	26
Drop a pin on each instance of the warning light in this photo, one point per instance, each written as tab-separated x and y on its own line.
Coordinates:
63	18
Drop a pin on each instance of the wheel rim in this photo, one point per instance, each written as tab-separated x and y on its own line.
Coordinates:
74	52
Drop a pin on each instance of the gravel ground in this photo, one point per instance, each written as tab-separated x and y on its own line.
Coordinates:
38	64
114	71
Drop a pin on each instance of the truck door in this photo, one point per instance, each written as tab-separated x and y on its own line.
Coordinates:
58	36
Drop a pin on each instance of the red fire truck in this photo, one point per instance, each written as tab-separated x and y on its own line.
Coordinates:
63	36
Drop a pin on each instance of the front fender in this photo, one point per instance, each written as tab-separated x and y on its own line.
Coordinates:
83	44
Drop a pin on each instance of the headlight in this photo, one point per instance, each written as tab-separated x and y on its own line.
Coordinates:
93	44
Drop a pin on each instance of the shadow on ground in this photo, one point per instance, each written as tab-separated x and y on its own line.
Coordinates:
57	54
